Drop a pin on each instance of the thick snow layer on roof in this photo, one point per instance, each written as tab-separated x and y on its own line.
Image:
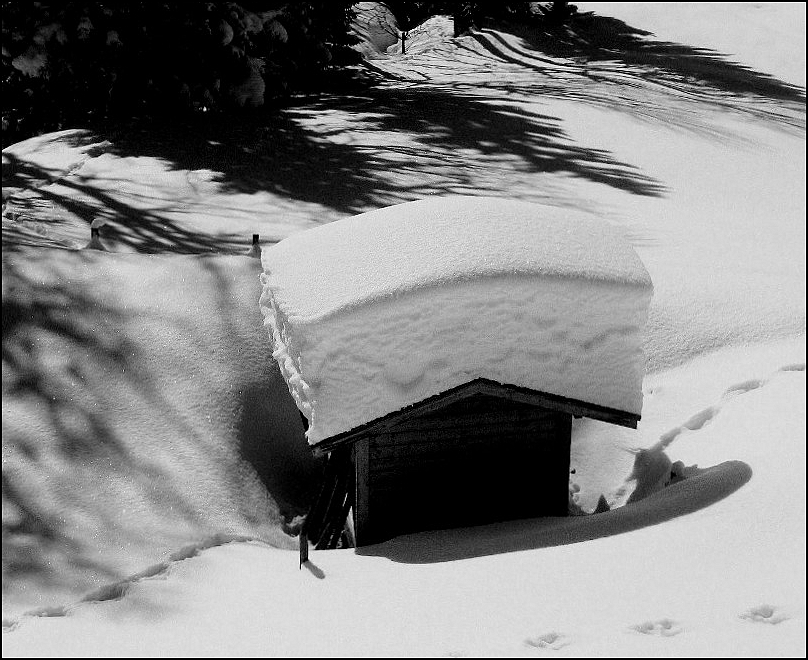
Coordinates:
380	311
438	241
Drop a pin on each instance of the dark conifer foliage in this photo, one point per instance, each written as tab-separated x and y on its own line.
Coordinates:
69	63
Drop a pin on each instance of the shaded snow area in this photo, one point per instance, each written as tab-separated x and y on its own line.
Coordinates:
154	460
133	421
374	313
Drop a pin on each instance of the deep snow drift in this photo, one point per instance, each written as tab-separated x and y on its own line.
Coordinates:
371	314
705	177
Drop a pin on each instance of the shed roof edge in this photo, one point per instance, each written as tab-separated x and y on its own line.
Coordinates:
480	386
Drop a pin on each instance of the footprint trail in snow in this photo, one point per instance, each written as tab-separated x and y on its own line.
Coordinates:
707	415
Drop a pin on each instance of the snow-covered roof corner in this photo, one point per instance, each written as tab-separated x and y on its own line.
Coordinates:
374	313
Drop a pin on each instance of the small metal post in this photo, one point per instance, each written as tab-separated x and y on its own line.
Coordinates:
255	250
304	546
95	238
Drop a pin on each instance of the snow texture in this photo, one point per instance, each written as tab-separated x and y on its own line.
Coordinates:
380	311
159	407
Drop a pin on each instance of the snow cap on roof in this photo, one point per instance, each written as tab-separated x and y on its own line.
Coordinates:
379	311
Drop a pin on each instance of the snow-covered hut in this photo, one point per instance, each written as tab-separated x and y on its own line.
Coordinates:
439	349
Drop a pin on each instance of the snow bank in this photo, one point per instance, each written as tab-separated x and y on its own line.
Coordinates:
138	401
429	34
376	28
376	312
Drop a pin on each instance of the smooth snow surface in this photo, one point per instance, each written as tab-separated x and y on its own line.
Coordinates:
377	312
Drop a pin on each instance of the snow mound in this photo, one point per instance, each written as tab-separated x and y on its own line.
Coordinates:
376	28
429	34
379	311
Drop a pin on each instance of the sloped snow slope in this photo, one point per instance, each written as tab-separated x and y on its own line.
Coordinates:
138	403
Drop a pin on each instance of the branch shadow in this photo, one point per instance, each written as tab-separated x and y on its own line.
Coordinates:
144	228
388	145
49	329
78	395
385	146
594	38
469	142
679	499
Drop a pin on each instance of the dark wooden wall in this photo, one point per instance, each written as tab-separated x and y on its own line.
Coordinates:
480	460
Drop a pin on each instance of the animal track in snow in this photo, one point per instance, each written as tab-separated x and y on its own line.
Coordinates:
10	624
797	366
764	614
117	590
551	640
707	415
660	627
744	387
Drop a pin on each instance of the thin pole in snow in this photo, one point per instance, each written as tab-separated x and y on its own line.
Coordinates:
95	236
304	547
255	250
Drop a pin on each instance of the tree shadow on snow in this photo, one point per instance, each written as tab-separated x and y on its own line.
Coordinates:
49	330
679	499
73	367
143	227
594	38
385	146
474	144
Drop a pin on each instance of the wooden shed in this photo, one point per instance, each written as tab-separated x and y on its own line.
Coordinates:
478	453
440	348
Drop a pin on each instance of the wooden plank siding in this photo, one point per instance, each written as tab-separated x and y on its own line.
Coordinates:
362	508
477	460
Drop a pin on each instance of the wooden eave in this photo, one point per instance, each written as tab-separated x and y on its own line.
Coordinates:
486	387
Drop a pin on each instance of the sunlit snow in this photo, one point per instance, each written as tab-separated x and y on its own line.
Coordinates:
153	457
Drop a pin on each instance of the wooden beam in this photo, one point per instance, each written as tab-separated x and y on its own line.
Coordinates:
362	520
485	387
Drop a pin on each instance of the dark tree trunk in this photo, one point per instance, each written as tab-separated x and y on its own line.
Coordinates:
560	11
462	18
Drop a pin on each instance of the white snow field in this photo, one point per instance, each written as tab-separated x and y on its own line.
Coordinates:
374	313
151	449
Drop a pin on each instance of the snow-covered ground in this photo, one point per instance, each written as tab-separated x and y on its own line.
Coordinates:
151	450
